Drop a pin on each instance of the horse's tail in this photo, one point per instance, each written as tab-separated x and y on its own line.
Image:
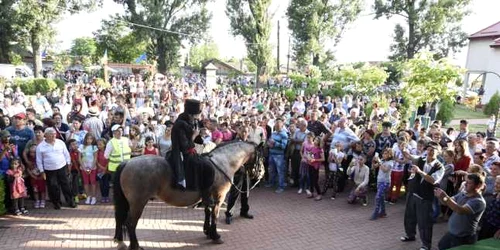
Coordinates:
122	206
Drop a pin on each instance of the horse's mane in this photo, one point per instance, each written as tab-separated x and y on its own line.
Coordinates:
226	144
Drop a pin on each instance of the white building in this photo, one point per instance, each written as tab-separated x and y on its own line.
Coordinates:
483	61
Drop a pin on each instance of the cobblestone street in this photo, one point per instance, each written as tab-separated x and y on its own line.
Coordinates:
282	221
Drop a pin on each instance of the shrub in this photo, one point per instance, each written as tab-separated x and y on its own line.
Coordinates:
32	86
60	83
493	105
290	95
3	209
334	91
103	84
445	113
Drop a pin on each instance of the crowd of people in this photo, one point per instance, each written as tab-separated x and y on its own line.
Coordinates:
74	139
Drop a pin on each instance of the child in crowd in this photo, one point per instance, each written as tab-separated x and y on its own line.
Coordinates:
102	170
36	178
383	181
88	168
304	181
335	158
397	171
150	148
75	167
421	148
315	160
360	175
17	187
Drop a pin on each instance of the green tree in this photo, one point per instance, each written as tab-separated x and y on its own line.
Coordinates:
15	59
432	25
7	32
84	46
493	108
61	62
200	53
250	65
315	22
251	20
445	113
173	21
427	80
35	19
121	43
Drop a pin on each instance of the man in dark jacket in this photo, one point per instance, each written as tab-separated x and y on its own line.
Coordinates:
240	182
184	131
426	174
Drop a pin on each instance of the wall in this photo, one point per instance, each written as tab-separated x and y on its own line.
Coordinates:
481	57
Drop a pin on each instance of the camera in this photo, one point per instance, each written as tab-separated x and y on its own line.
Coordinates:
12	141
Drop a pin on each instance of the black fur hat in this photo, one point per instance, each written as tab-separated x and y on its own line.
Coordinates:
192	107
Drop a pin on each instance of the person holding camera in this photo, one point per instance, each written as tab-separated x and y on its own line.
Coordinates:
467	206
426	173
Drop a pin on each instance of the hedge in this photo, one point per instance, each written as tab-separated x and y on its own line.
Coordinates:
42	85
3	209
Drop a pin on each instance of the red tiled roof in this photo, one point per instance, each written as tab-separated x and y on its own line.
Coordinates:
496	43
490	31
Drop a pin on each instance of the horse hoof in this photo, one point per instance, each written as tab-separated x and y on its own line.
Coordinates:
121	245
217	241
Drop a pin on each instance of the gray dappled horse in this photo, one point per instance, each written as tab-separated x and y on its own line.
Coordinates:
145	177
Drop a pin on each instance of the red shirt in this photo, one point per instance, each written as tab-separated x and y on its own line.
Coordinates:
101	160
463	163
75	160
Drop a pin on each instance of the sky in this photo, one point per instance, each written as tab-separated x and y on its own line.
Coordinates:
366	40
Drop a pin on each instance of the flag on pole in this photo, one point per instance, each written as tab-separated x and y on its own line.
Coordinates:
142	57
104	59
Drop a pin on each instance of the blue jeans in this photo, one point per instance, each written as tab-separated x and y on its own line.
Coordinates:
277	166
436	209
380	198
104	184
304	181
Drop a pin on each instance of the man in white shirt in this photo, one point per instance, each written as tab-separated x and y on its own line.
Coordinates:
53	161
256	134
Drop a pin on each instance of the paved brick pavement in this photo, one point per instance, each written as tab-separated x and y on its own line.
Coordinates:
282	221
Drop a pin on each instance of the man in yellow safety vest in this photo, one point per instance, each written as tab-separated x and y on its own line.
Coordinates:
117	150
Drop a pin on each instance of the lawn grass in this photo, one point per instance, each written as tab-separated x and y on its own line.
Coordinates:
473	128
463	112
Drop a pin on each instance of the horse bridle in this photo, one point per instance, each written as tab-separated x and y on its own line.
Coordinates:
258	158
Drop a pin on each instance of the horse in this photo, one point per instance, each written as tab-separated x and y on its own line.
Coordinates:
142	178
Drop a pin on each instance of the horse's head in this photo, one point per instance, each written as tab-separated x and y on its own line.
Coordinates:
255	165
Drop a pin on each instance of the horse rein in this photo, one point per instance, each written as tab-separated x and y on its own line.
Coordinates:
231	180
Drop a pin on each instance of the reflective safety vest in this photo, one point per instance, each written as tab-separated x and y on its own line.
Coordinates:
121	152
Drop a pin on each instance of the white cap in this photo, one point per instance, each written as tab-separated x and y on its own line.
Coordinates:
115	127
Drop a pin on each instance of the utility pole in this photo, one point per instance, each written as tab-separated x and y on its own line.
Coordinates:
278	51
288	56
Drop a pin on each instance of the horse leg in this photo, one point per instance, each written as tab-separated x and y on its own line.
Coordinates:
134	215
213	227
206	225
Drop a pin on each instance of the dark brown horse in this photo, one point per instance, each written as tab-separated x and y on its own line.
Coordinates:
145	177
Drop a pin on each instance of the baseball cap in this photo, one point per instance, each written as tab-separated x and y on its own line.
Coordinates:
116	127
20	116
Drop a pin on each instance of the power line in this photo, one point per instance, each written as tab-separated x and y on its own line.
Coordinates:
124	21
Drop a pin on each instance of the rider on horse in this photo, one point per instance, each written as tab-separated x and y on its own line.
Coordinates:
183	153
